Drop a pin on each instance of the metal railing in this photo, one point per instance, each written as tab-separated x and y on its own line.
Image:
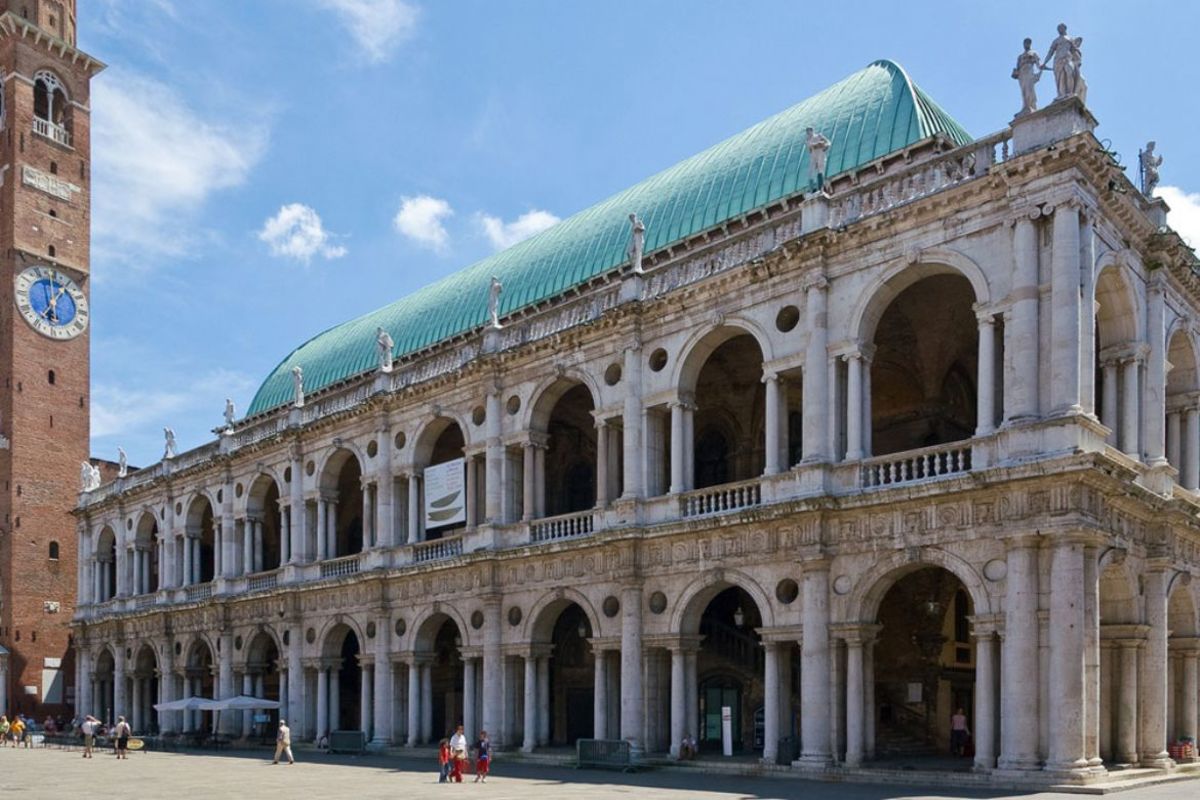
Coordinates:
917	465
438	549
55	133
346	565
563	526
718	499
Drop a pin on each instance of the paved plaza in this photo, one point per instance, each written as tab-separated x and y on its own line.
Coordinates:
36	774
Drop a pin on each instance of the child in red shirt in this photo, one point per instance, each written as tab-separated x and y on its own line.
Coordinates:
444	761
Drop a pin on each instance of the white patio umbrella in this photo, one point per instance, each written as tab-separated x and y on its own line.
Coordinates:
189	704
244	703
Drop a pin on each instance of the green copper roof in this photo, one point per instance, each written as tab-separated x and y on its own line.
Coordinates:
873	112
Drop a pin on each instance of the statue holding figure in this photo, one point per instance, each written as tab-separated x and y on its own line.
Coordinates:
818	151
637	242
122	463
1149	161
384	345
297	386
1067	55
230	413
494	301
85	477
169	450
1027	73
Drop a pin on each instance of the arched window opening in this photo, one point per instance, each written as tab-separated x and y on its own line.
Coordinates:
1182	415
148	551
339	527
54	551
1118	364
197	556
729	401
51	110
570	473
262	544
445	514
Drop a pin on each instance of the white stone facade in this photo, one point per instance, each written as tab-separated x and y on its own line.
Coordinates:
1062	528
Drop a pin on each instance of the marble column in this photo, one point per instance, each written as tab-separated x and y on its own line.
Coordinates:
527	482
691	694
631	422
1131	415
770	702
322	530
771	426
1091	656
188	572
854	701
1190	452
384	678
1156	373
1065	296
1190	695
247	716
815	666
1109	415
1020	669
1152	739
470	701
631	667
493	668
1127	708
985	410
985	700
323	722
543	684
601	463
854	401
677	447
120	703
1066	712
1175	441
414	507
530	722
678	699
816	386
427	701
296	684
494	485
600	696
414	702
366	700
299	521
1021	400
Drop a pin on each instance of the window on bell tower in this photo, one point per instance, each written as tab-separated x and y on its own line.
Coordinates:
51	110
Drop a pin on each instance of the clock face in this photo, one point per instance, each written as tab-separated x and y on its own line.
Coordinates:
52	303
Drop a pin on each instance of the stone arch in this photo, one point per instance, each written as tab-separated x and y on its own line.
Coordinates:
257	640
256	486
888	285
539	622
1184	376
700	345
550	390
427	435
334	632
1181	607
196	643
333	460
694	599
862	603
146	529
426	626
1119	316
1119	596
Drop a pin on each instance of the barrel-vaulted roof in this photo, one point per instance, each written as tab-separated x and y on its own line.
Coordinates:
876	111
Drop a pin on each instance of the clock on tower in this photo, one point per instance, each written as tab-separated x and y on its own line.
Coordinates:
44	234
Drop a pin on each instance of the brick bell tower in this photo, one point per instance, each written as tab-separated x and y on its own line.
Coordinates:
45	221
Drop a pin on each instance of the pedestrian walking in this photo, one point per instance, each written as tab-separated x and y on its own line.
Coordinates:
283	743
88	728
122	732
5	726
959	732
458	754
17	730
483	759
444	761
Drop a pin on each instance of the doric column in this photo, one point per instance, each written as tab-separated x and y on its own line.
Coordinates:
531	703
427	701
1021	401
985	699
1108	404
1153	701
247	716
1091	655
415	702
543	684
470	700
187	559
771	426
1156	373
1190	695
414	506
1131	414
1190	452
985	412
631	423
1127	708
677	447
601	463
854	399
493	668
855	701
299	516
632	711
1175	440
1019	654
1065	293
815	665
366	695
816	365
527	481
383	684
1066	712
296	683
322	701
225	678
495	457
770	702
600	695
322	530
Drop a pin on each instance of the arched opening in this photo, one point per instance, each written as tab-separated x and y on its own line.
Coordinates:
199	551
103	686
1183	412
264	526
448	480
1120	652
143	691
342	499
344	713
726	430
50	103
260	678
923	378
440	704
147	544
106	565
565	631
564	414
923	667
1182	675
730	672
200	680
1118	375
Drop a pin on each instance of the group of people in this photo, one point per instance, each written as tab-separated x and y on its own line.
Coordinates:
14	732
453	756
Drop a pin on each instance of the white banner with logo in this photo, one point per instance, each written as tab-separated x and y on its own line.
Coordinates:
445	494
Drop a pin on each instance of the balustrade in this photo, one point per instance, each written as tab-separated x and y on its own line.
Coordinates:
56	133
917	465
347	565
718	499
563	526
438	549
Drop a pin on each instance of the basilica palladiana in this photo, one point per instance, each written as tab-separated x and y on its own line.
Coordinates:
848	422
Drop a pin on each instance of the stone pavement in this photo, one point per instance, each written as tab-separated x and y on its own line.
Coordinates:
36	774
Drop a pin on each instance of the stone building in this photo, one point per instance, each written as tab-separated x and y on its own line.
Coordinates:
841	461
45	220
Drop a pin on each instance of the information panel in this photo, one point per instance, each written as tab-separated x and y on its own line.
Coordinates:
445	494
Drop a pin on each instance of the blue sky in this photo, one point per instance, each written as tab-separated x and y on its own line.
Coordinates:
264	169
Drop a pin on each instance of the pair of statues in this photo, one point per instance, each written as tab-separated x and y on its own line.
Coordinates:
1067	53
89	477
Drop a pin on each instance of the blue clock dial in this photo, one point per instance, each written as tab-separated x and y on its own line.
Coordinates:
51	301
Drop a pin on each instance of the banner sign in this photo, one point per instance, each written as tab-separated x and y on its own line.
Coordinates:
445	494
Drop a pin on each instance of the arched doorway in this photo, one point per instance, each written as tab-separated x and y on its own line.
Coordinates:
564	414
730	672
923	378
144	691
1121	645
440	703
264	525
561	634
103	687
344	676
924	665
341	483
199	681
1183	678
261	679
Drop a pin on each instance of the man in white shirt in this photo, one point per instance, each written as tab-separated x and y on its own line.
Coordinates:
89	734
283	743
458	754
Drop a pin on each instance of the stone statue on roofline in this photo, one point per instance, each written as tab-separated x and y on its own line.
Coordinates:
1068	55
297	386
85	477
637	242
230	413
122	463
169	450
1027	73
494	302
818	152
96	479
384	345
1149	162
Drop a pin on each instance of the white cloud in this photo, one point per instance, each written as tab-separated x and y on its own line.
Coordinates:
297	232
505	234
379	26
1184	216
156	162
420	219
